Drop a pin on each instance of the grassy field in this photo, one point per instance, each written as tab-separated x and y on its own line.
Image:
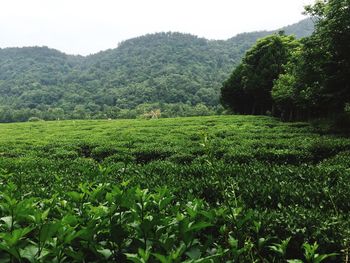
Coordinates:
220	189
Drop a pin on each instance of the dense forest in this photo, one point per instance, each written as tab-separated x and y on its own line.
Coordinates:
297	79
180	74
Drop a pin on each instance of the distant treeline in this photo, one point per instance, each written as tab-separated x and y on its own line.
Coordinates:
151	110
297	79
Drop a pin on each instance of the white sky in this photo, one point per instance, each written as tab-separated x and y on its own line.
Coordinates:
88	26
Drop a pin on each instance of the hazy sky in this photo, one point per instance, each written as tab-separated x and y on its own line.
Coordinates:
88	26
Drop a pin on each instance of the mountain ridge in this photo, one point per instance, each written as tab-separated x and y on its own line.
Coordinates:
287	30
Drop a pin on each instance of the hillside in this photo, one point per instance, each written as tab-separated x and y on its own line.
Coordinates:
165	68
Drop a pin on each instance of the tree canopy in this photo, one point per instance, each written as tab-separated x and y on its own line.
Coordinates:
248	90
305	79
319	82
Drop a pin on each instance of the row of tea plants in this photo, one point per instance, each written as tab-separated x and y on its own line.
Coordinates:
105	222
221	189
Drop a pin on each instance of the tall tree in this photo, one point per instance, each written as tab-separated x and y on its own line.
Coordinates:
251	82
332	36
317	80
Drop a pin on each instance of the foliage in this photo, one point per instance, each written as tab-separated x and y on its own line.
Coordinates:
248	90
314	82
331	38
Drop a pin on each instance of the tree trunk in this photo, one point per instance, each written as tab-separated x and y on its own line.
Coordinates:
291	115
253	109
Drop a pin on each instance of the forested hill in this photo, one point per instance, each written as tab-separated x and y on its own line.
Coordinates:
166	68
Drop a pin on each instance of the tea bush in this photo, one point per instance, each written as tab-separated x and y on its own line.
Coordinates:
221	189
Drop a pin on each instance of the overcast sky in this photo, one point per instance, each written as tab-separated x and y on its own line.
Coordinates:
88	26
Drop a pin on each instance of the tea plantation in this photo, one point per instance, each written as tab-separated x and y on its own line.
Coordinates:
201	189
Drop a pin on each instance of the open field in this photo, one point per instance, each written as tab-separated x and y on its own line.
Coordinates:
220	188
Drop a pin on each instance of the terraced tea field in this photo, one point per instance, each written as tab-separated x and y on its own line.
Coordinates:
220	189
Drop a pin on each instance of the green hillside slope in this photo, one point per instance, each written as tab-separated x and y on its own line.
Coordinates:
167	68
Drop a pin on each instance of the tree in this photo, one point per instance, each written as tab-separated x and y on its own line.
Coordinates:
332	37
233	95
251	83
283	94
316	81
